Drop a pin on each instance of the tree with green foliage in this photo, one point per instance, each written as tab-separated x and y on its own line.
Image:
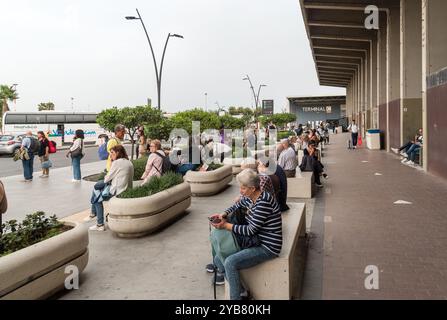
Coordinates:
230	122
7	94
131	118
279	119
45	106
184	119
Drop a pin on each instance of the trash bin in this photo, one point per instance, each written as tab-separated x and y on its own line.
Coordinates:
373	139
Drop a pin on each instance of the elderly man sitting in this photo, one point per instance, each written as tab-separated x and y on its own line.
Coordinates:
287	159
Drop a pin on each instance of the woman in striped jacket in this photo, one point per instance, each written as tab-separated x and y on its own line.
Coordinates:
263	220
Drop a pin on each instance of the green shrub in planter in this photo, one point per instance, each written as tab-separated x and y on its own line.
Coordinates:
284	135
139	165
33	229
155	185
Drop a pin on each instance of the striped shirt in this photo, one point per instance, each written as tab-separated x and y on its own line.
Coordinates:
263	219
287	159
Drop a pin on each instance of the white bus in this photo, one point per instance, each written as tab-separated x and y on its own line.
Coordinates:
60	126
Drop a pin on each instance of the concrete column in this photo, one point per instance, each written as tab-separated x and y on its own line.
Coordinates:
382	81
434	84
393	71
411	69
374	84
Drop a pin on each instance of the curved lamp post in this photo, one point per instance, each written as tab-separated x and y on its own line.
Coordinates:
157	74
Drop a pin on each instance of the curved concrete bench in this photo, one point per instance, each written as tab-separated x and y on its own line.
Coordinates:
281	278
235	163
38	271
210	182
131	218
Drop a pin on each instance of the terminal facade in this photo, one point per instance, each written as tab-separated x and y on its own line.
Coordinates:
391	56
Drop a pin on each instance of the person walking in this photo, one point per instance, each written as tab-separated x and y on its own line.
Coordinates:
120	131
44	154
354	129
76	152
29	146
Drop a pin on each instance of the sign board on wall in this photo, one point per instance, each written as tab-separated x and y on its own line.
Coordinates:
267	107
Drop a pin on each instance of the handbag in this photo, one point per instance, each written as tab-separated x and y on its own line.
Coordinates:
223	244
244	242
78	152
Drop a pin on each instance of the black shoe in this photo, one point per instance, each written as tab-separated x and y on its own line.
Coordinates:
220	279
325	176
245	295
210	268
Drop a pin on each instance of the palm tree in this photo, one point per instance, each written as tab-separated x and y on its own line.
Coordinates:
7	94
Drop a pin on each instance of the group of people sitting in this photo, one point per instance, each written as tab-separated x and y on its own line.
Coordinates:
288	161
411	149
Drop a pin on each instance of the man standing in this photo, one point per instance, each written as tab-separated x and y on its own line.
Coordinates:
3	204
287	159
354	133
29	146
120	131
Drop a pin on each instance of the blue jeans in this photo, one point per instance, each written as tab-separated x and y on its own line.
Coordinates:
98	211
243	259
186	167
76	163
412	152
355	137
28	166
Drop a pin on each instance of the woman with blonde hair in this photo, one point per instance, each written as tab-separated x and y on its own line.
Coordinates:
154	164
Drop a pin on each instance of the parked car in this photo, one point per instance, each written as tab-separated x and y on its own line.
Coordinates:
10	143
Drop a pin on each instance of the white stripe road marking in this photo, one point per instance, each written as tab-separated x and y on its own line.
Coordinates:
402	202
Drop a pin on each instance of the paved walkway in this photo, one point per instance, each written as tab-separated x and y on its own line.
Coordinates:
356	224
54	195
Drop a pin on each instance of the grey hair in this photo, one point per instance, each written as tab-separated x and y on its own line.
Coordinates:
249	178
119	127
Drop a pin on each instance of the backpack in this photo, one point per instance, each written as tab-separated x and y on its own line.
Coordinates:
166	165
34	145
52	147
102	152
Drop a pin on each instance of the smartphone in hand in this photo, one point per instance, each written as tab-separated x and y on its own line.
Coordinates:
214	220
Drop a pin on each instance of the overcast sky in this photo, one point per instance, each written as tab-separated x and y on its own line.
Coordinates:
58	49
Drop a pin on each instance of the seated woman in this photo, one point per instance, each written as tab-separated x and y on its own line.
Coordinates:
310	163
263	220
154	164
189	158
119	177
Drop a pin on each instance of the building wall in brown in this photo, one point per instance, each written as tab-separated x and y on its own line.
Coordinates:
412	118
394	112
437	130
382	124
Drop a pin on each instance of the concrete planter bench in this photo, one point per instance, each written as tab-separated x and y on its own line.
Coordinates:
38	271
281	278
301	186
132	218
235	163
210	182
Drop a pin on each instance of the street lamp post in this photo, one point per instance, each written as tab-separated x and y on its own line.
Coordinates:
259	92
206	101
158	74
252	89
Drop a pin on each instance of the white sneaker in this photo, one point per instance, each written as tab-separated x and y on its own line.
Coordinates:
396	151
410	163
403	154
75	181
97	228
405	160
